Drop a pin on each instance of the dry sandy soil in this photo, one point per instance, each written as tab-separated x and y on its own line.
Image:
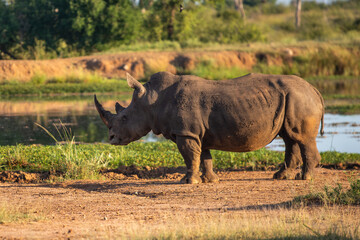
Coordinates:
136	63
135	207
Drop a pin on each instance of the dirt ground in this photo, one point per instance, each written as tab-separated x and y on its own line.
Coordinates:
91	209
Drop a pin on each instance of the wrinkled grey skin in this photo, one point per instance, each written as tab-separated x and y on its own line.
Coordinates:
240	115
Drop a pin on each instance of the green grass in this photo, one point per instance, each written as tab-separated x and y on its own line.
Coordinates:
66	97
208	70
85	161
345	109
333	195
63	88
143	46
74	83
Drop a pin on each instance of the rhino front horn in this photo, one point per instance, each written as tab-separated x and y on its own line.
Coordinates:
105	115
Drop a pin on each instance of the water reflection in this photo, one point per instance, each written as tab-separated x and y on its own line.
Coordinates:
18	118
21	129
78	114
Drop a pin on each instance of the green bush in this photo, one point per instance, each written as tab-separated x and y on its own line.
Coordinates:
226	27
327	61
38	79
207	69
272	8
315	27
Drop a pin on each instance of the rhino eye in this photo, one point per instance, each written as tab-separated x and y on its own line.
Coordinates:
124	119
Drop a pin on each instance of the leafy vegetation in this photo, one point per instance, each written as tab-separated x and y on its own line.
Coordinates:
333	195
208	70
39	29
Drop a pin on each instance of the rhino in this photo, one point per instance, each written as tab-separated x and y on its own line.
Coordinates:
241	114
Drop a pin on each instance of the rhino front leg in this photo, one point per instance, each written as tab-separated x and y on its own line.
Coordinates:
207	167
190	150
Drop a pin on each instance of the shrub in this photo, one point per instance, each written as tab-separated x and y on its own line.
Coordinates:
314	26
38	79
208	25
334	195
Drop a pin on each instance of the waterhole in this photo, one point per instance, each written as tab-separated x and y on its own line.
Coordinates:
79	116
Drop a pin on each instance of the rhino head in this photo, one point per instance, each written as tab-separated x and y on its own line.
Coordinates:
128	124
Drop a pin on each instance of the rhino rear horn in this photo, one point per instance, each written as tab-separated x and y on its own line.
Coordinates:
118	107
133	83
105	115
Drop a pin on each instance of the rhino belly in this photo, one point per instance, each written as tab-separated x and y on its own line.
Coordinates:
239	139
241	132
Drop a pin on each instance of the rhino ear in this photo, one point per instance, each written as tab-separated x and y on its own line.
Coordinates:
133	83
118	108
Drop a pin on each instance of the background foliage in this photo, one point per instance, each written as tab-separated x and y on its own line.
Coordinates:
38	29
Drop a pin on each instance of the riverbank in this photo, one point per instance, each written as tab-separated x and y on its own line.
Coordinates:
306	59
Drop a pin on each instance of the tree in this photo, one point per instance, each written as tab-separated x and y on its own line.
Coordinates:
240	7
8	30
298	14
145	4
96	22
167	9
36	19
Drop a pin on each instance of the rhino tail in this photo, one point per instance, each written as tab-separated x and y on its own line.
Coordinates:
322	125
323	111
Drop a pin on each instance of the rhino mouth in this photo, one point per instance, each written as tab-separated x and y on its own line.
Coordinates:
122	142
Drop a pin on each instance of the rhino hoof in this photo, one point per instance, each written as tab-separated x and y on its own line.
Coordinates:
305	176
210	178
298	176
191	179
279	175
285	174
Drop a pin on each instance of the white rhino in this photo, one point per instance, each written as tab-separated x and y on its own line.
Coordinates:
240	115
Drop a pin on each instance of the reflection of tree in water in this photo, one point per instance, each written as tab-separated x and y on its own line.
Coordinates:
92	133
21	129
17	118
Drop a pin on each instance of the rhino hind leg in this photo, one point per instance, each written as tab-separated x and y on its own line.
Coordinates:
311	158
190	151
293	160
300	136
208	175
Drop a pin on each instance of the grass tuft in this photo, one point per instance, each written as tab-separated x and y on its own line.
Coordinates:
70	164
10	214
262	224
333	195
